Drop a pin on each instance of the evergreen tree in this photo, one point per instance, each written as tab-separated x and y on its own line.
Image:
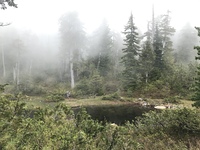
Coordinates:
166	31
130	57
72	40
158	51
197	82
146	59
117	53
100	50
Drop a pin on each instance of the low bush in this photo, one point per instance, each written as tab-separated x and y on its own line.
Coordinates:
173	100
92	86
114	96
156	89
56	96
60	128
196	104
173	122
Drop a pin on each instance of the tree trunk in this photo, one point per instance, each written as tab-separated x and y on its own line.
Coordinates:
72	74
147	75
17	75
30	69
14	74
99	61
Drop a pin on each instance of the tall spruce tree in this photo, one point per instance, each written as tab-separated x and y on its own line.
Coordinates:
158	64
100	49
146	60
197	82
104	49
166	32
130	57
72	40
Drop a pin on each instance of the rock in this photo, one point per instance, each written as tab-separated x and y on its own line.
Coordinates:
160	107
140	99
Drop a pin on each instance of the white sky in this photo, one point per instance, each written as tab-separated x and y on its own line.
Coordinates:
41	16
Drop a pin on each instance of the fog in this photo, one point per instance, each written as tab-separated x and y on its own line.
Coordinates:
32	43
42	16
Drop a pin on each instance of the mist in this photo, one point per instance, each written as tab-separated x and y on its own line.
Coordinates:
34	47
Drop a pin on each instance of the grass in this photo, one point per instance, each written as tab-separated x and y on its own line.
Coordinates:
86	102
36	101
187	103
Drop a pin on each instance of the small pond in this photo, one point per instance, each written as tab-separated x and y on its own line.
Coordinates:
118	114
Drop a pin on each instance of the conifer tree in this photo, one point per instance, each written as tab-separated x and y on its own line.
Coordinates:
104	46
158	64
100	49
146	59
130	57
72	40
197	82
166	32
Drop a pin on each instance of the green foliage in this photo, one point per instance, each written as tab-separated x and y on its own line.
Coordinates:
110	87
197	79
176	122
2	87
196	104
31	89
92	86
56	96
114	96
100	49
83	88
158	50
157	89
129	59
146	60
59	128
173	100
181	79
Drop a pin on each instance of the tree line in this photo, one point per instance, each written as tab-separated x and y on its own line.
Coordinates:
158	63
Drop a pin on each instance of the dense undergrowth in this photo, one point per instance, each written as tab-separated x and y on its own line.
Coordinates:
60	128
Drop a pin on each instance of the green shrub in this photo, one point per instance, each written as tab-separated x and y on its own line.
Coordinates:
32	90
114	96
157	89
92	86
173	100
56	96
176	122
60	128
82	88
110	87
196	104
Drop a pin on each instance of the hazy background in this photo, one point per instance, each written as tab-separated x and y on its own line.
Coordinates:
41	16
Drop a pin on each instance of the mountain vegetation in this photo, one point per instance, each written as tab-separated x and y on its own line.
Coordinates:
160	65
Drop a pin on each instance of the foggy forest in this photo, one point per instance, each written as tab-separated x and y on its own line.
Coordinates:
99	75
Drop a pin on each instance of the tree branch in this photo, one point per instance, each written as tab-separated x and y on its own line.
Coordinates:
4	24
